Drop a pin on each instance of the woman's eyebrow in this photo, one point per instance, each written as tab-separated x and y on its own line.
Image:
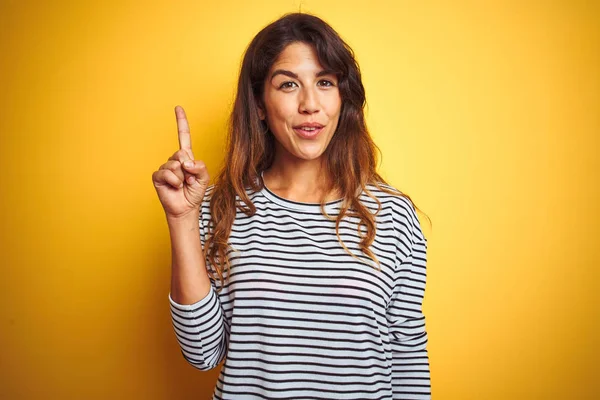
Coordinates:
295	76
326	72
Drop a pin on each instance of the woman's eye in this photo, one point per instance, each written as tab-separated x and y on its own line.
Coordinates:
284	85
290	84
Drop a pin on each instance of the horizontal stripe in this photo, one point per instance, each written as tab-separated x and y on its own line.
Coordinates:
298	317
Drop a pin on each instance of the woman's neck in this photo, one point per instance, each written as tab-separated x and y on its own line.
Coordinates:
307	184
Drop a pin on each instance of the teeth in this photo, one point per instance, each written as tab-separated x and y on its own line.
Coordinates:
308	129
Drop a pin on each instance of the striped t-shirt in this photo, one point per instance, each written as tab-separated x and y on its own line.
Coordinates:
300	318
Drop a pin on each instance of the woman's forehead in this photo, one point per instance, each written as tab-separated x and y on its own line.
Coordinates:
298	57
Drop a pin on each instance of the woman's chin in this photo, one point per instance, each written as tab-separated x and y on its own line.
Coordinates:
309	155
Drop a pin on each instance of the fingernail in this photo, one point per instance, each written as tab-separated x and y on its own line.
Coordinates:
188	164
191	179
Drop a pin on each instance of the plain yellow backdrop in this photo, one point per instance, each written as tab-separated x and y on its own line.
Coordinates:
486	113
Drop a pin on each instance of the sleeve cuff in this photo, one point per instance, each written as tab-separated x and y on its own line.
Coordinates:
191	307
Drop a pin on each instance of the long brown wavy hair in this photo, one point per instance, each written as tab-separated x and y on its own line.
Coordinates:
350	157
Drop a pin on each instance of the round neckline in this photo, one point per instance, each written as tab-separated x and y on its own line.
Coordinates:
296	205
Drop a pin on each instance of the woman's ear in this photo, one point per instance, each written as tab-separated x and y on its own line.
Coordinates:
261	110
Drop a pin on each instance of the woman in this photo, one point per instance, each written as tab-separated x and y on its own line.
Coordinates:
280	281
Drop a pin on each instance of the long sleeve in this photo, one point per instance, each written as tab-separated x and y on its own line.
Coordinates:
200	328
200	331
408	335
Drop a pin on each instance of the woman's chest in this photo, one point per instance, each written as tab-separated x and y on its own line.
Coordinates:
281	258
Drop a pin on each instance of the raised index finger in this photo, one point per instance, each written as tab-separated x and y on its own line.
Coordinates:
183	129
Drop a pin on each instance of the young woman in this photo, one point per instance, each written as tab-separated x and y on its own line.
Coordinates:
300	266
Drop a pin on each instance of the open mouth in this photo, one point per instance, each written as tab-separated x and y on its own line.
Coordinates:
308	132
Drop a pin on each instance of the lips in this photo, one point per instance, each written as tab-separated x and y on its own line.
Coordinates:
309	125
307	131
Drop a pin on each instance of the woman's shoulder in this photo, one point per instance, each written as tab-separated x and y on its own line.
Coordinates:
402	209
210	190
396	200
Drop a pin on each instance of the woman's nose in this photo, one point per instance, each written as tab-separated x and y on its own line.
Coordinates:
309	102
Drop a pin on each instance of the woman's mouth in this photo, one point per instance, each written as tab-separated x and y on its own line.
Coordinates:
308	132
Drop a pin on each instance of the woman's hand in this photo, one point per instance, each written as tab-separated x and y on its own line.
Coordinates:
181	188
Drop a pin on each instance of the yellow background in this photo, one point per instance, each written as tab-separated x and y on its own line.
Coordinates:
487	114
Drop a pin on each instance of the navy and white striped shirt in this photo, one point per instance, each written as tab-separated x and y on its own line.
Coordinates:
300	318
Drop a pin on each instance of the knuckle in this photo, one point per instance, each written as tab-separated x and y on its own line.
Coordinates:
176	156
182	154
177	170
173	165
158	176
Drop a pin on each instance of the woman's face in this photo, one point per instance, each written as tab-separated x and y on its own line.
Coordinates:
298	91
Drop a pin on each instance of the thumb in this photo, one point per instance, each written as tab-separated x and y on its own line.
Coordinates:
198	172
